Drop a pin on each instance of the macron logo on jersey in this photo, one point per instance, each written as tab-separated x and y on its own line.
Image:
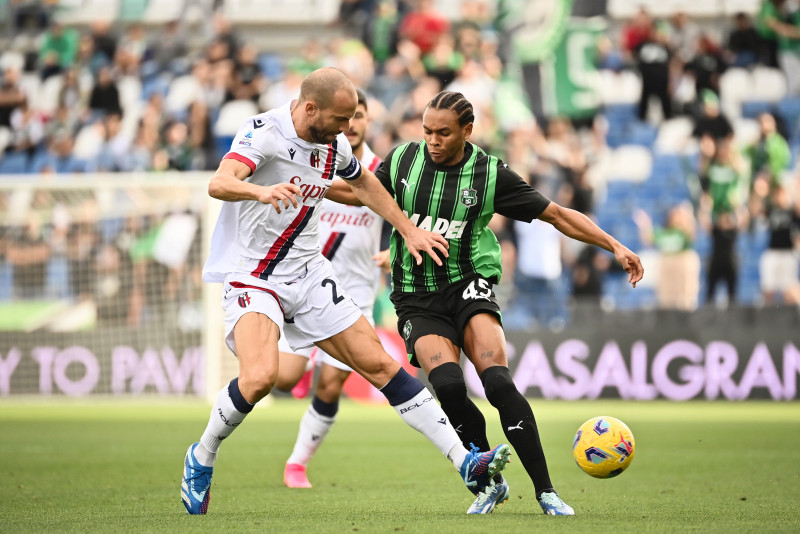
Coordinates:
449	229
309	191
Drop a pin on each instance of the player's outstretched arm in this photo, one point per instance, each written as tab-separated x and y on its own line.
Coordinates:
341	192
228	184
371	193
578	226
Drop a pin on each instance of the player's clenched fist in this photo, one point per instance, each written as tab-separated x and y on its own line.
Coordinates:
274	194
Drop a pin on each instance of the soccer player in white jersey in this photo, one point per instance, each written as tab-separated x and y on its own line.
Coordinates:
265	250
350	239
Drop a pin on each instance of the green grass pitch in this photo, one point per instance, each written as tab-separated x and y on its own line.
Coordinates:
115	466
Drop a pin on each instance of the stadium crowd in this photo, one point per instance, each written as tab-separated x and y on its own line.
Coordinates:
114	97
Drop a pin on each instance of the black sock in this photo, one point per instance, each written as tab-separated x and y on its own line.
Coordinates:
519	425
451	390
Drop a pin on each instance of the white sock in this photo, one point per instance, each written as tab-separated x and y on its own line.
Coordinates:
313	429
424	414
223	420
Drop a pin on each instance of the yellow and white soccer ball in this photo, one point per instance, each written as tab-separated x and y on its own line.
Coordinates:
603	447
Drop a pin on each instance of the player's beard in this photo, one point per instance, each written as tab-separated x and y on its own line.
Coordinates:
320	136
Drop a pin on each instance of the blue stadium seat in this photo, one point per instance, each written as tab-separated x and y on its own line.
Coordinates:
223	144
271	66
642	134
752	109
6	281
14	163
58	277
789	110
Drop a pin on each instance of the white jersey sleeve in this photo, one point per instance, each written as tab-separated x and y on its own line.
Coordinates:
253	144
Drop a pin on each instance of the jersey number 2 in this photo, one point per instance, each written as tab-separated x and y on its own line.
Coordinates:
336	298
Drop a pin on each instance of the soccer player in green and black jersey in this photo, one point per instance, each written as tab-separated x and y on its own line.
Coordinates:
447	185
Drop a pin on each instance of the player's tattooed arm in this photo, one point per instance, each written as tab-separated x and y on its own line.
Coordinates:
229	184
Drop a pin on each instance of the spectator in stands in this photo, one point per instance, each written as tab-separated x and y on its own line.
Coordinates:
29	15
82	242
176	147
112	285
11	95
683	36
779	264
539	297
59	157
424	26
769	20
588	271
711	122
722	214
224	44
789	51
63	121
88	60
144	146
443	61
769	157
247	81
28	253
653	55
201	140
706	66
473	82
104	98
71	96
212	88
635	31
58	50
131	50
381	31
745	46
679	266
168	50
309	60
27	130
104	41
114	154
393	83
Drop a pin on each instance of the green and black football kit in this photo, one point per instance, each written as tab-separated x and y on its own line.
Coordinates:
458	202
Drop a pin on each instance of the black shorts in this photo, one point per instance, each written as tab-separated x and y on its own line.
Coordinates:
443	313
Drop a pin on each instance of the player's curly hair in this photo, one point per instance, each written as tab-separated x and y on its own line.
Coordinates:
456	102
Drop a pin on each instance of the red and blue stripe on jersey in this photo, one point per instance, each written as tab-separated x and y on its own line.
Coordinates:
281	247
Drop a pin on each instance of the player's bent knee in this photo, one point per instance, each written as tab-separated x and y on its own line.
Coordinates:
378	370
257	383
448	383
497	384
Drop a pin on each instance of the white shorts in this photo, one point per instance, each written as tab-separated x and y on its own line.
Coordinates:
309	306
320	356
779	270
283	346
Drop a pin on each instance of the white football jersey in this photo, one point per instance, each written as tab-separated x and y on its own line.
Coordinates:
350	236
253	238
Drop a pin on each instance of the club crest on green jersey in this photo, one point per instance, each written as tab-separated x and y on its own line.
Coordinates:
469	197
